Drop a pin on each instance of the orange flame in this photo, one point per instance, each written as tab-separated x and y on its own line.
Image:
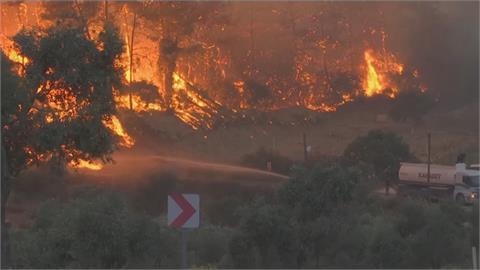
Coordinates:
116	126
138	105
377	70
84	164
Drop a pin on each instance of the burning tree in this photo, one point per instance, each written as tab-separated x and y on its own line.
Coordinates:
58	105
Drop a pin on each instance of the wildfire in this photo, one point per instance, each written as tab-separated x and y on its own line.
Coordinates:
63	105
376	78
195	100
83	164
14	56
116	126
138	105
191	106
240	87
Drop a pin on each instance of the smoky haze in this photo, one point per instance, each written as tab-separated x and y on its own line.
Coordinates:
440	39
265	40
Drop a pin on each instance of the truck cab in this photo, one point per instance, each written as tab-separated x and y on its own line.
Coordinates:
467	182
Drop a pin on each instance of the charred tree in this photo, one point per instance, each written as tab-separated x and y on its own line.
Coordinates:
168	62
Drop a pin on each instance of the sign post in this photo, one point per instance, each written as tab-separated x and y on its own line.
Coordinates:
183	248
184	214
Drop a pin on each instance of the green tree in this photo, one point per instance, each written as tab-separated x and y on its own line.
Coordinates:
268	228
442	241
94	230
381	151
312	193
241	252
209	245
56	110
386	249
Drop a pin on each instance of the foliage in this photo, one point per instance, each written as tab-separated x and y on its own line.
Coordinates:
411	105
312	193
16	125
68	80
268	230
262	156
381	151
95	230
208	244
241	251
151	196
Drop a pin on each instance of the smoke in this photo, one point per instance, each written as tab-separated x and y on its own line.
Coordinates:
441	40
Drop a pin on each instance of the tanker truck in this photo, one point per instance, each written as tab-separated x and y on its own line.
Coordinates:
445	182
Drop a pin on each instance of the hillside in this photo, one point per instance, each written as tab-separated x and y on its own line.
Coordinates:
327	133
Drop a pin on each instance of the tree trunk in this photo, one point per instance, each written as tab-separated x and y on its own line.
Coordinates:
105	6
324	59
168	83
252	43
131	57
5	192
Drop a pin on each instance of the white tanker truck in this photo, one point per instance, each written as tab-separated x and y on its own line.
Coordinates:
455	182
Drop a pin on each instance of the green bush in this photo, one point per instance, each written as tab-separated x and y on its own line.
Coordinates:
94	230
312	193
208	245
380	153
151	197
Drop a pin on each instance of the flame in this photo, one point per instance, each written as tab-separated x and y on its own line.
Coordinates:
372	83
14	56
84	164
240	87
190	106
377	71
115	125
138	105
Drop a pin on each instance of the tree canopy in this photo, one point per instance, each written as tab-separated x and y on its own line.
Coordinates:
61	103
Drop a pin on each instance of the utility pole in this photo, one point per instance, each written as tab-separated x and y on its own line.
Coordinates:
428	157
475	253
274	144
305	152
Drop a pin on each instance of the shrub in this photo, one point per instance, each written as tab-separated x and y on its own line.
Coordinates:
94	230
381	152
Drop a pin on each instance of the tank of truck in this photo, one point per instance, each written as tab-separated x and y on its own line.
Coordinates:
416	173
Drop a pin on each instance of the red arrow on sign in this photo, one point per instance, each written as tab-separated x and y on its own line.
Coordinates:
187	210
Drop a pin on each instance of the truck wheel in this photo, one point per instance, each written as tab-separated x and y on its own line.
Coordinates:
460	198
